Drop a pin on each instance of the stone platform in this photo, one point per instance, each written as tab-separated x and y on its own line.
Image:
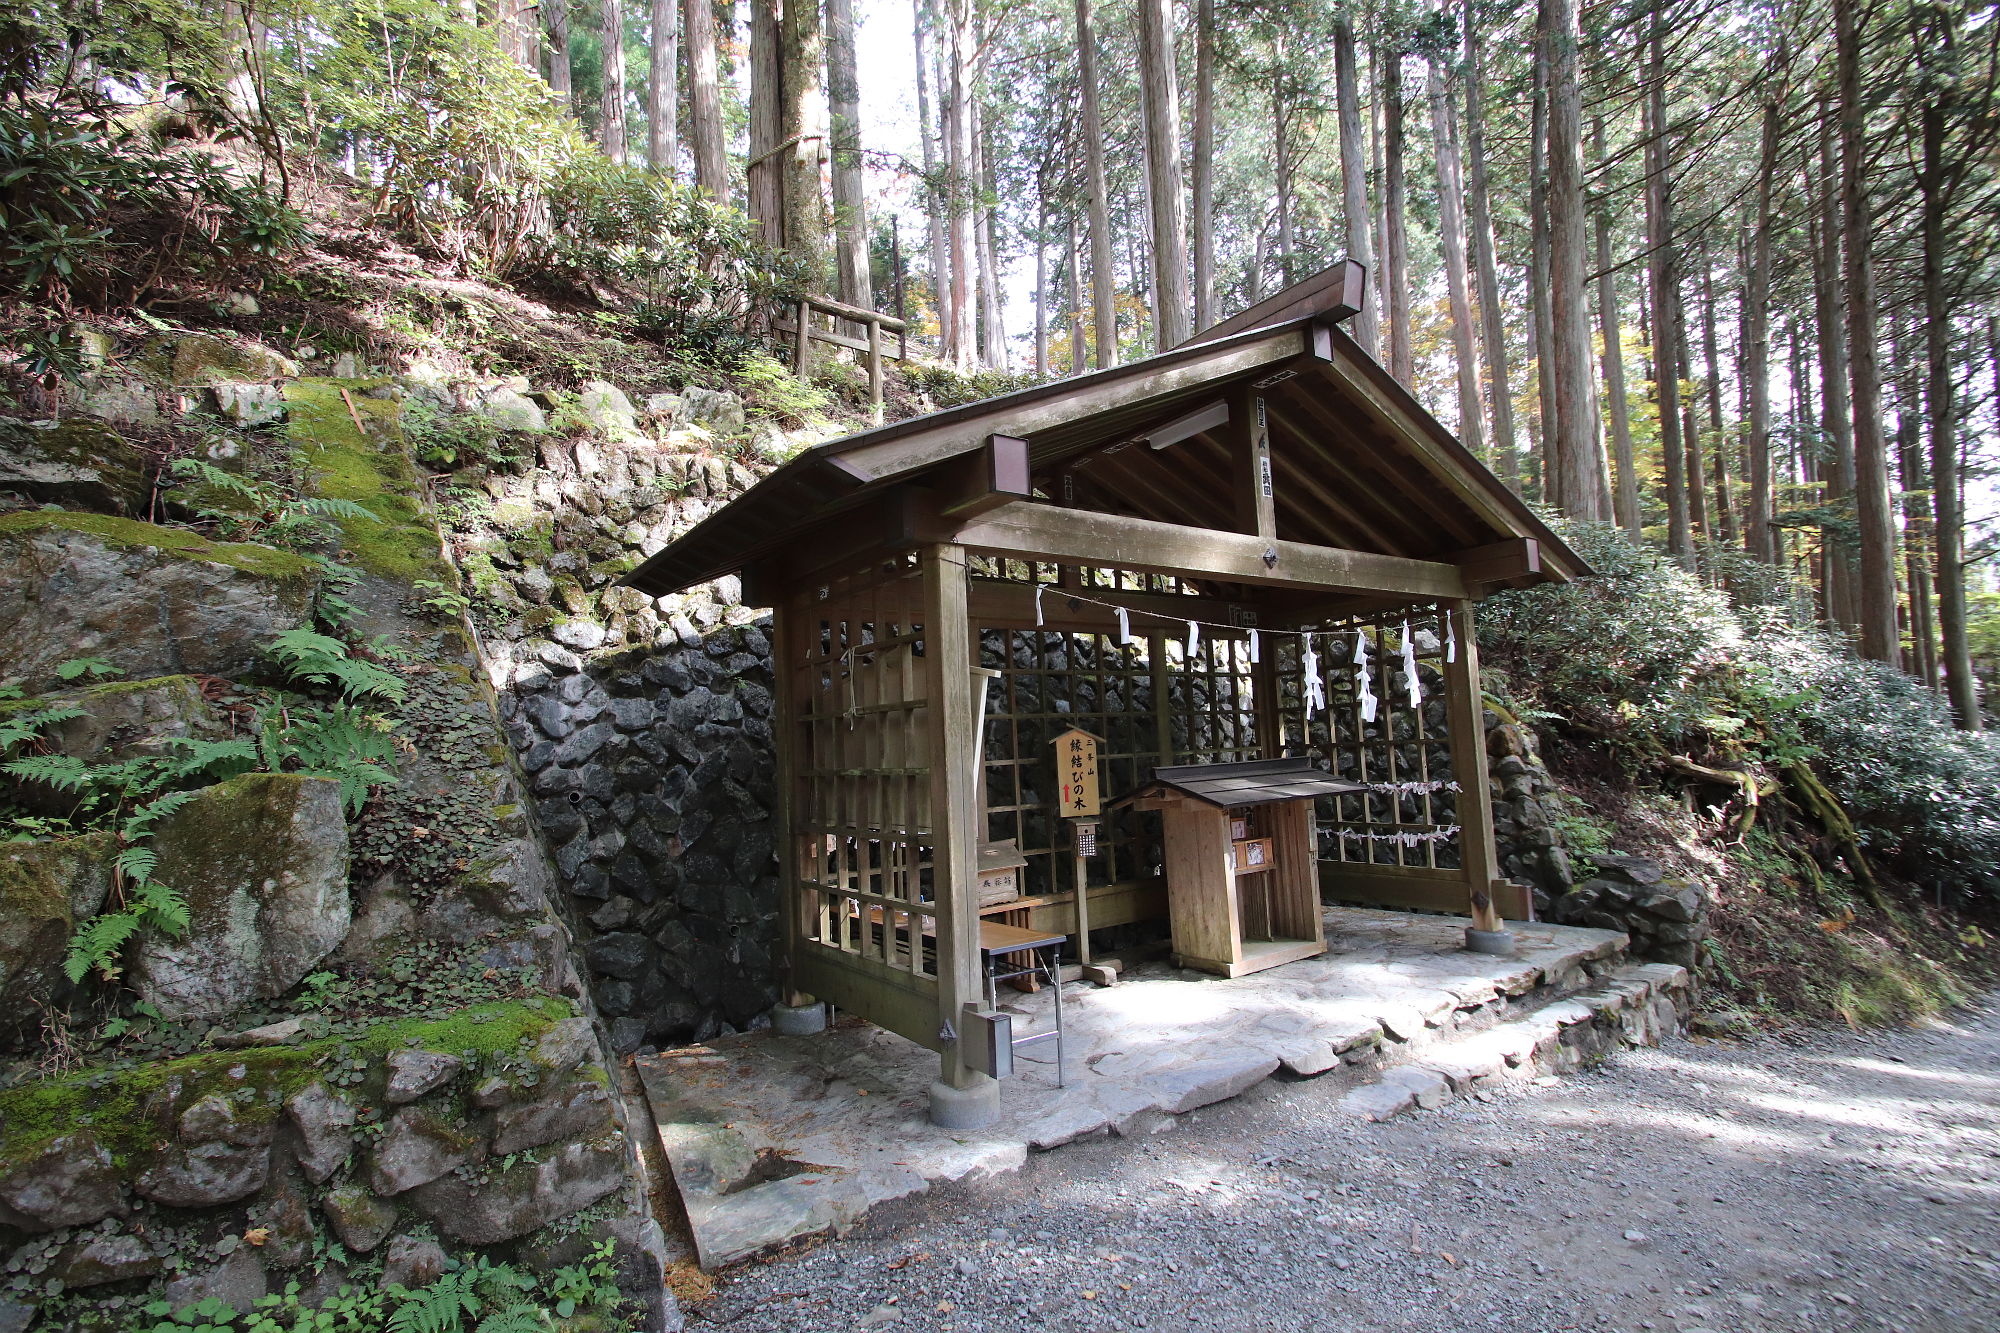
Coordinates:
773	1137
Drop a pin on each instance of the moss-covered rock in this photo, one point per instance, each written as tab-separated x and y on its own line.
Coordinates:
79	463
197	360
125	719
262	863
132	1112
148	599
66	1180
513	1202
366	463
45	889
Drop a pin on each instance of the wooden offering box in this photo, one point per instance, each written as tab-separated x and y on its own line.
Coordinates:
1241	860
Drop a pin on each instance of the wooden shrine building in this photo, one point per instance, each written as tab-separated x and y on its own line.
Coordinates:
1244	549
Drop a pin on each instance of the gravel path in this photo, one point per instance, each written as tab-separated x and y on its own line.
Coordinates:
1845	1182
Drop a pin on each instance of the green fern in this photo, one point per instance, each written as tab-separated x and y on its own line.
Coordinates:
28	724
62	771
320	659
337	742
515	1319
438	1308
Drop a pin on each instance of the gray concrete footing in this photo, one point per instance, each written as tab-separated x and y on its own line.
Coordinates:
1499	943
965	1108
798	1020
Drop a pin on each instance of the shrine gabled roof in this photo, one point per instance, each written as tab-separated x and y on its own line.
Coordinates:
1358	464
1250	782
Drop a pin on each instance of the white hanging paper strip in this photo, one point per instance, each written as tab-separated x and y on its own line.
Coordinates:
1124	626
1450	640
1401	839
1411	788
1410	667
1194	637
1364	689
1310	683
1040	588
1253	647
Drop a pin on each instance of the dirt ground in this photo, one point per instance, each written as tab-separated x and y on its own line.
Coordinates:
1844	1181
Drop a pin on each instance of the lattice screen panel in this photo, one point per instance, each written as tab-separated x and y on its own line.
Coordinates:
862	822
1405	753
1050	682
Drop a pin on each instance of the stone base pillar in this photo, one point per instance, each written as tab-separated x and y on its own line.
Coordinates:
803	1020
966	1108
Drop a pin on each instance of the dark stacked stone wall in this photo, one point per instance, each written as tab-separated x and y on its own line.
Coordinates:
653	779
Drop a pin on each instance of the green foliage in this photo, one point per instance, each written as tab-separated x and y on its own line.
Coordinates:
242	508
697	268
445	440
771	390
90	222
479	1296
320	659
945	386
130	796
1656	660
337	741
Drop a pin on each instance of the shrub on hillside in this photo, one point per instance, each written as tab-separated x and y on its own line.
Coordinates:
1651	657
88	220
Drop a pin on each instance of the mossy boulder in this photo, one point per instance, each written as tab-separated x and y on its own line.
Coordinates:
45	889
148	599
262	862
118	720
366	463
70	1180
78	463
516	1200
198	360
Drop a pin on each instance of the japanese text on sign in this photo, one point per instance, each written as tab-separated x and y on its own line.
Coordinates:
1076	772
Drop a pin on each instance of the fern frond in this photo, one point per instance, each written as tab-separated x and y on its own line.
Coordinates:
137	862
161	907
208	474
515	1319
329	508
438	1308
218	759
140	822
95	947
27	726
322	660
62	771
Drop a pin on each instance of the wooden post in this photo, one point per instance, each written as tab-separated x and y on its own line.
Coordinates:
875	371
1250	436
963	1098
802	355
791	913
1466	711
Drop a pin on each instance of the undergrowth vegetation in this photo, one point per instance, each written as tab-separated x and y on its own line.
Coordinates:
1828	801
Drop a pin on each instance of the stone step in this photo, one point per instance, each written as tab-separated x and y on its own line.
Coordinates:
1632	1004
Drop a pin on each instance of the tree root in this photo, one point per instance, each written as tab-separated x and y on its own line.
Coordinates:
1747	784
1824	807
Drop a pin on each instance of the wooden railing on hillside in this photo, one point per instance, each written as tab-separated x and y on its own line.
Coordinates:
803	334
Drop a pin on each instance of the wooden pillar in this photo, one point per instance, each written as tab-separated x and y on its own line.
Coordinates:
1250	439
875	371
954	806
1467	726
785	631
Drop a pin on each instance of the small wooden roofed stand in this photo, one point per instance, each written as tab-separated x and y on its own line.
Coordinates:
947	594
1241	900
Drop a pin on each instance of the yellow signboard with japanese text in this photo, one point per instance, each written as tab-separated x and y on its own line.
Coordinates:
1076	774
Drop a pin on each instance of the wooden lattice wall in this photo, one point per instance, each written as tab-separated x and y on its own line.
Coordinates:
858	766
